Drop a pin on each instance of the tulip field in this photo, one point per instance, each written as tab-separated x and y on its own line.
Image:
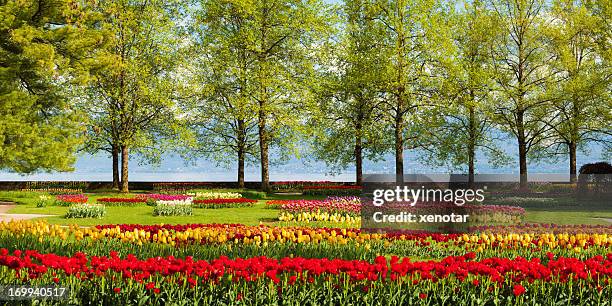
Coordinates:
310	252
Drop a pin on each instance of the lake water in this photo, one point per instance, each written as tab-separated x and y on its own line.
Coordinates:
98	168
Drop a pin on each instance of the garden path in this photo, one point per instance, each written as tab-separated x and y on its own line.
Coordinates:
6	217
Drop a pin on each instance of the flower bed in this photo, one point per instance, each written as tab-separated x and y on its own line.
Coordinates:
155	198
348	209
332	209
86	211
478	213
164	197
70	199
319	217
223	203
209	241
286	186
181	185
543	228
341	205
122	201
425	244
173	208
455	280
216	195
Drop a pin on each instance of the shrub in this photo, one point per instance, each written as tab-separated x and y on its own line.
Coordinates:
252	194
596	168
42	185
55	191
86	211
173	208
595	178
340	190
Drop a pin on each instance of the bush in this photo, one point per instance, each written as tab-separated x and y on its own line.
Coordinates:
55	191
252	194
57	185
596	168
173	209
595	179
340	190
86	211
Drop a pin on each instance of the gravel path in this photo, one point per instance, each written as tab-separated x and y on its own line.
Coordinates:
6	217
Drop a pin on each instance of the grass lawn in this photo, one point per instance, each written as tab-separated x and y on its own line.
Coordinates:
567	217
558	214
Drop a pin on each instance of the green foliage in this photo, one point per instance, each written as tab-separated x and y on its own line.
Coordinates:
465	101
260	59
44	51
132	102
522	75
581	97
414	46
346	124
256	195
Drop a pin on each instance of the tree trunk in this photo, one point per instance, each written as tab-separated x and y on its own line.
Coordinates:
523	164
124	168
522	147
240	168
472	148
241	152
263	148
399	150
572	162
358	158
115	167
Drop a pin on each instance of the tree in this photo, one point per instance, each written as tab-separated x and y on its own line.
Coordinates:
415	37
283	44
45	49
522	74
132	99
281	39
223	115
349	115
582	98
464	121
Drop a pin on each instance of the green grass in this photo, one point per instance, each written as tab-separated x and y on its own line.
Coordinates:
144	214
560	210
545	212
567	217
